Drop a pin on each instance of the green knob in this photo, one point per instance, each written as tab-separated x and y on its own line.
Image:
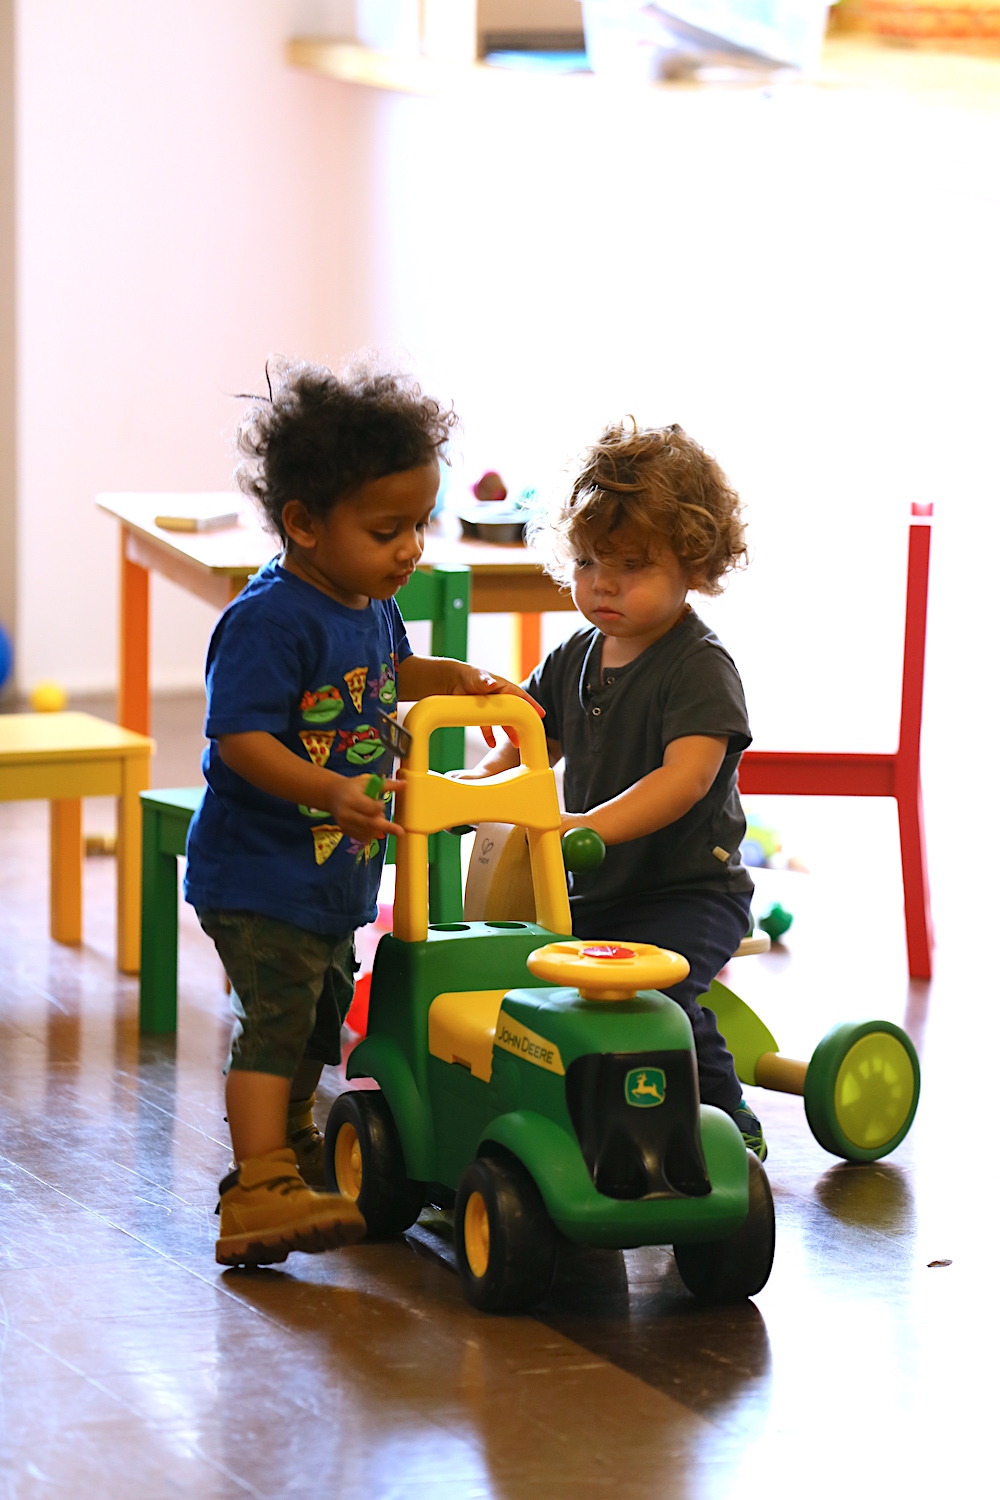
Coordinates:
775	922
583	849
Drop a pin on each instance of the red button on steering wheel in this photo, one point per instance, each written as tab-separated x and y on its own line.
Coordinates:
606	950
607	971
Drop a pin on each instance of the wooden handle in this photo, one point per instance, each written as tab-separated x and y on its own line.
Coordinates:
783	1074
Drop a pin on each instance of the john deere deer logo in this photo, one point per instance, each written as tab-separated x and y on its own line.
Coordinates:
645	1087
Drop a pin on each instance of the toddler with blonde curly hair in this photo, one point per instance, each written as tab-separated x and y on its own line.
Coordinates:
646	707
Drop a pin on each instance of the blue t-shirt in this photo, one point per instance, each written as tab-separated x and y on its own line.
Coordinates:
288	659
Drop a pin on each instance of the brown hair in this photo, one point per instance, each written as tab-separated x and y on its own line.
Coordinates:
319	437
659	483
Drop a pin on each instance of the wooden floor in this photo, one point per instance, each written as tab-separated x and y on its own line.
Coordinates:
130	1365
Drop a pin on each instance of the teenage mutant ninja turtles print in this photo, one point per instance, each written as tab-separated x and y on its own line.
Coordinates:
321	705
360	746
287	660
326	837
383	688
355	682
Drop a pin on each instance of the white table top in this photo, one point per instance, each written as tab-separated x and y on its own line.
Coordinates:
240	550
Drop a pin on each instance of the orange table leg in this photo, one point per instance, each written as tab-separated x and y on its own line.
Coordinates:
133	644
66	870
527	645
135	779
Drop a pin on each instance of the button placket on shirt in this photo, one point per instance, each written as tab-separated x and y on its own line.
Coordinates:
595	698
597	704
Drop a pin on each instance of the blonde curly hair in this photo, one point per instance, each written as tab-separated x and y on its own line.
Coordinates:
661	486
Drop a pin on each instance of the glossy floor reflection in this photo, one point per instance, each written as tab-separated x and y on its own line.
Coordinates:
131	1365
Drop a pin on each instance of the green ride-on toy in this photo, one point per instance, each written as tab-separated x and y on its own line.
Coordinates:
862	1083
545	1081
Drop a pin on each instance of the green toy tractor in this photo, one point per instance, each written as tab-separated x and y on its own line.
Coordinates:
546	1082
548	1088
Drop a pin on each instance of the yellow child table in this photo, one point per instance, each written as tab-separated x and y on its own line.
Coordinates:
61	758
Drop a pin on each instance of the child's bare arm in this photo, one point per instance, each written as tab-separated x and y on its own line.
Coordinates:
690	765
503	757
269	765
420	676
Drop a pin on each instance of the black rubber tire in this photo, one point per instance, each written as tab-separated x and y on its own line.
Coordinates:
389	1200
733	1269
523	1241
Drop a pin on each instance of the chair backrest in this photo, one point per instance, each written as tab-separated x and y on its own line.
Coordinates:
441	595
911	706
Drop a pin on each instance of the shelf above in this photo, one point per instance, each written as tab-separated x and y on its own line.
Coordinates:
350	63
950	79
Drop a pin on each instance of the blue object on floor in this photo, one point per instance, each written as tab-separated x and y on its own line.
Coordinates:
6	656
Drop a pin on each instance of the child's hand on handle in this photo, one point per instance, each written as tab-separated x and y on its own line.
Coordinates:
470	773
476	683
360	815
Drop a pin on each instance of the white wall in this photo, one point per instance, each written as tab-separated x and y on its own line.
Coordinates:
807	282
176	188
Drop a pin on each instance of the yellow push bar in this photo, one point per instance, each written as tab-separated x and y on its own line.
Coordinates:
431	802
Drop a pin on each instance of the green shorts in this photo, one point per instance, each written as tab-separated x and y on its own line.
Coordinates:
291	990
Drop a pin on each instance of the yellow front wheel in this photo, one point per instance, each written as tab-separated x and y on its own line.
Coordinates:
862	1087
476	1229
348	1165
364	1162
505	1242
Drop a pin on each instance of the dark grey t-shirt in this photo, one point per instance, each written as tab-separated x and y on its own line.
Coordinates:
615	731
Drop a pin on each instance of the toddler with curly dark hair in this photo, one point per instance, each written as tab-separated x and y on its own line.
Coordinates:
286	850
646	707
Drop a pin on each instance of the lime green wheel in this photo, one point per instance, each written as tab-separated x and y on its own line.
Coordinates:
861	1089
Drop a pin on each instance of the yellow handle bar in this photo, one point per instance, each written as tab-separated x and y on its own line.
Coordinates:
459	710
430	802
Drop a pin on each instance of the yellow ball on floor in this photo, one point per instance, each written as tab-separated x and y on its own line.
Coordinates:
48	698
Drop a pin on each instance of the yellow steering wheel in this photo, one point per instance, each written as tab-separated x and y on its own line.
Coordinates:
608	971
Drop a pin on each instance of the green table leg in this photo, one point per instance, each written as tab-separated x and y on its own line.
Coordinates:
449	637
442	597
445	879
158	964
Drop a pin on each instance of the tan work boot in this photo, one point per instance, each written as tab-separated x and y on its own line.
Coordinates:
306	1140
266	1210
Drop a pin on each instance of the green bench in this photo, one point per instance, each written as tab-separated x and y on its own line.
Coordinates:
165	818
441	596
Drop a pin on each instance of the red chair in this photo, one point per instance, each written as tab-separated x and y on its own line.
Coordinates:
810	773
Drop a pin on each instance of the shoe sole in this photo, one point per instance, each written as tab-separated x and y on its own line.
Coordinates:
263	1249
